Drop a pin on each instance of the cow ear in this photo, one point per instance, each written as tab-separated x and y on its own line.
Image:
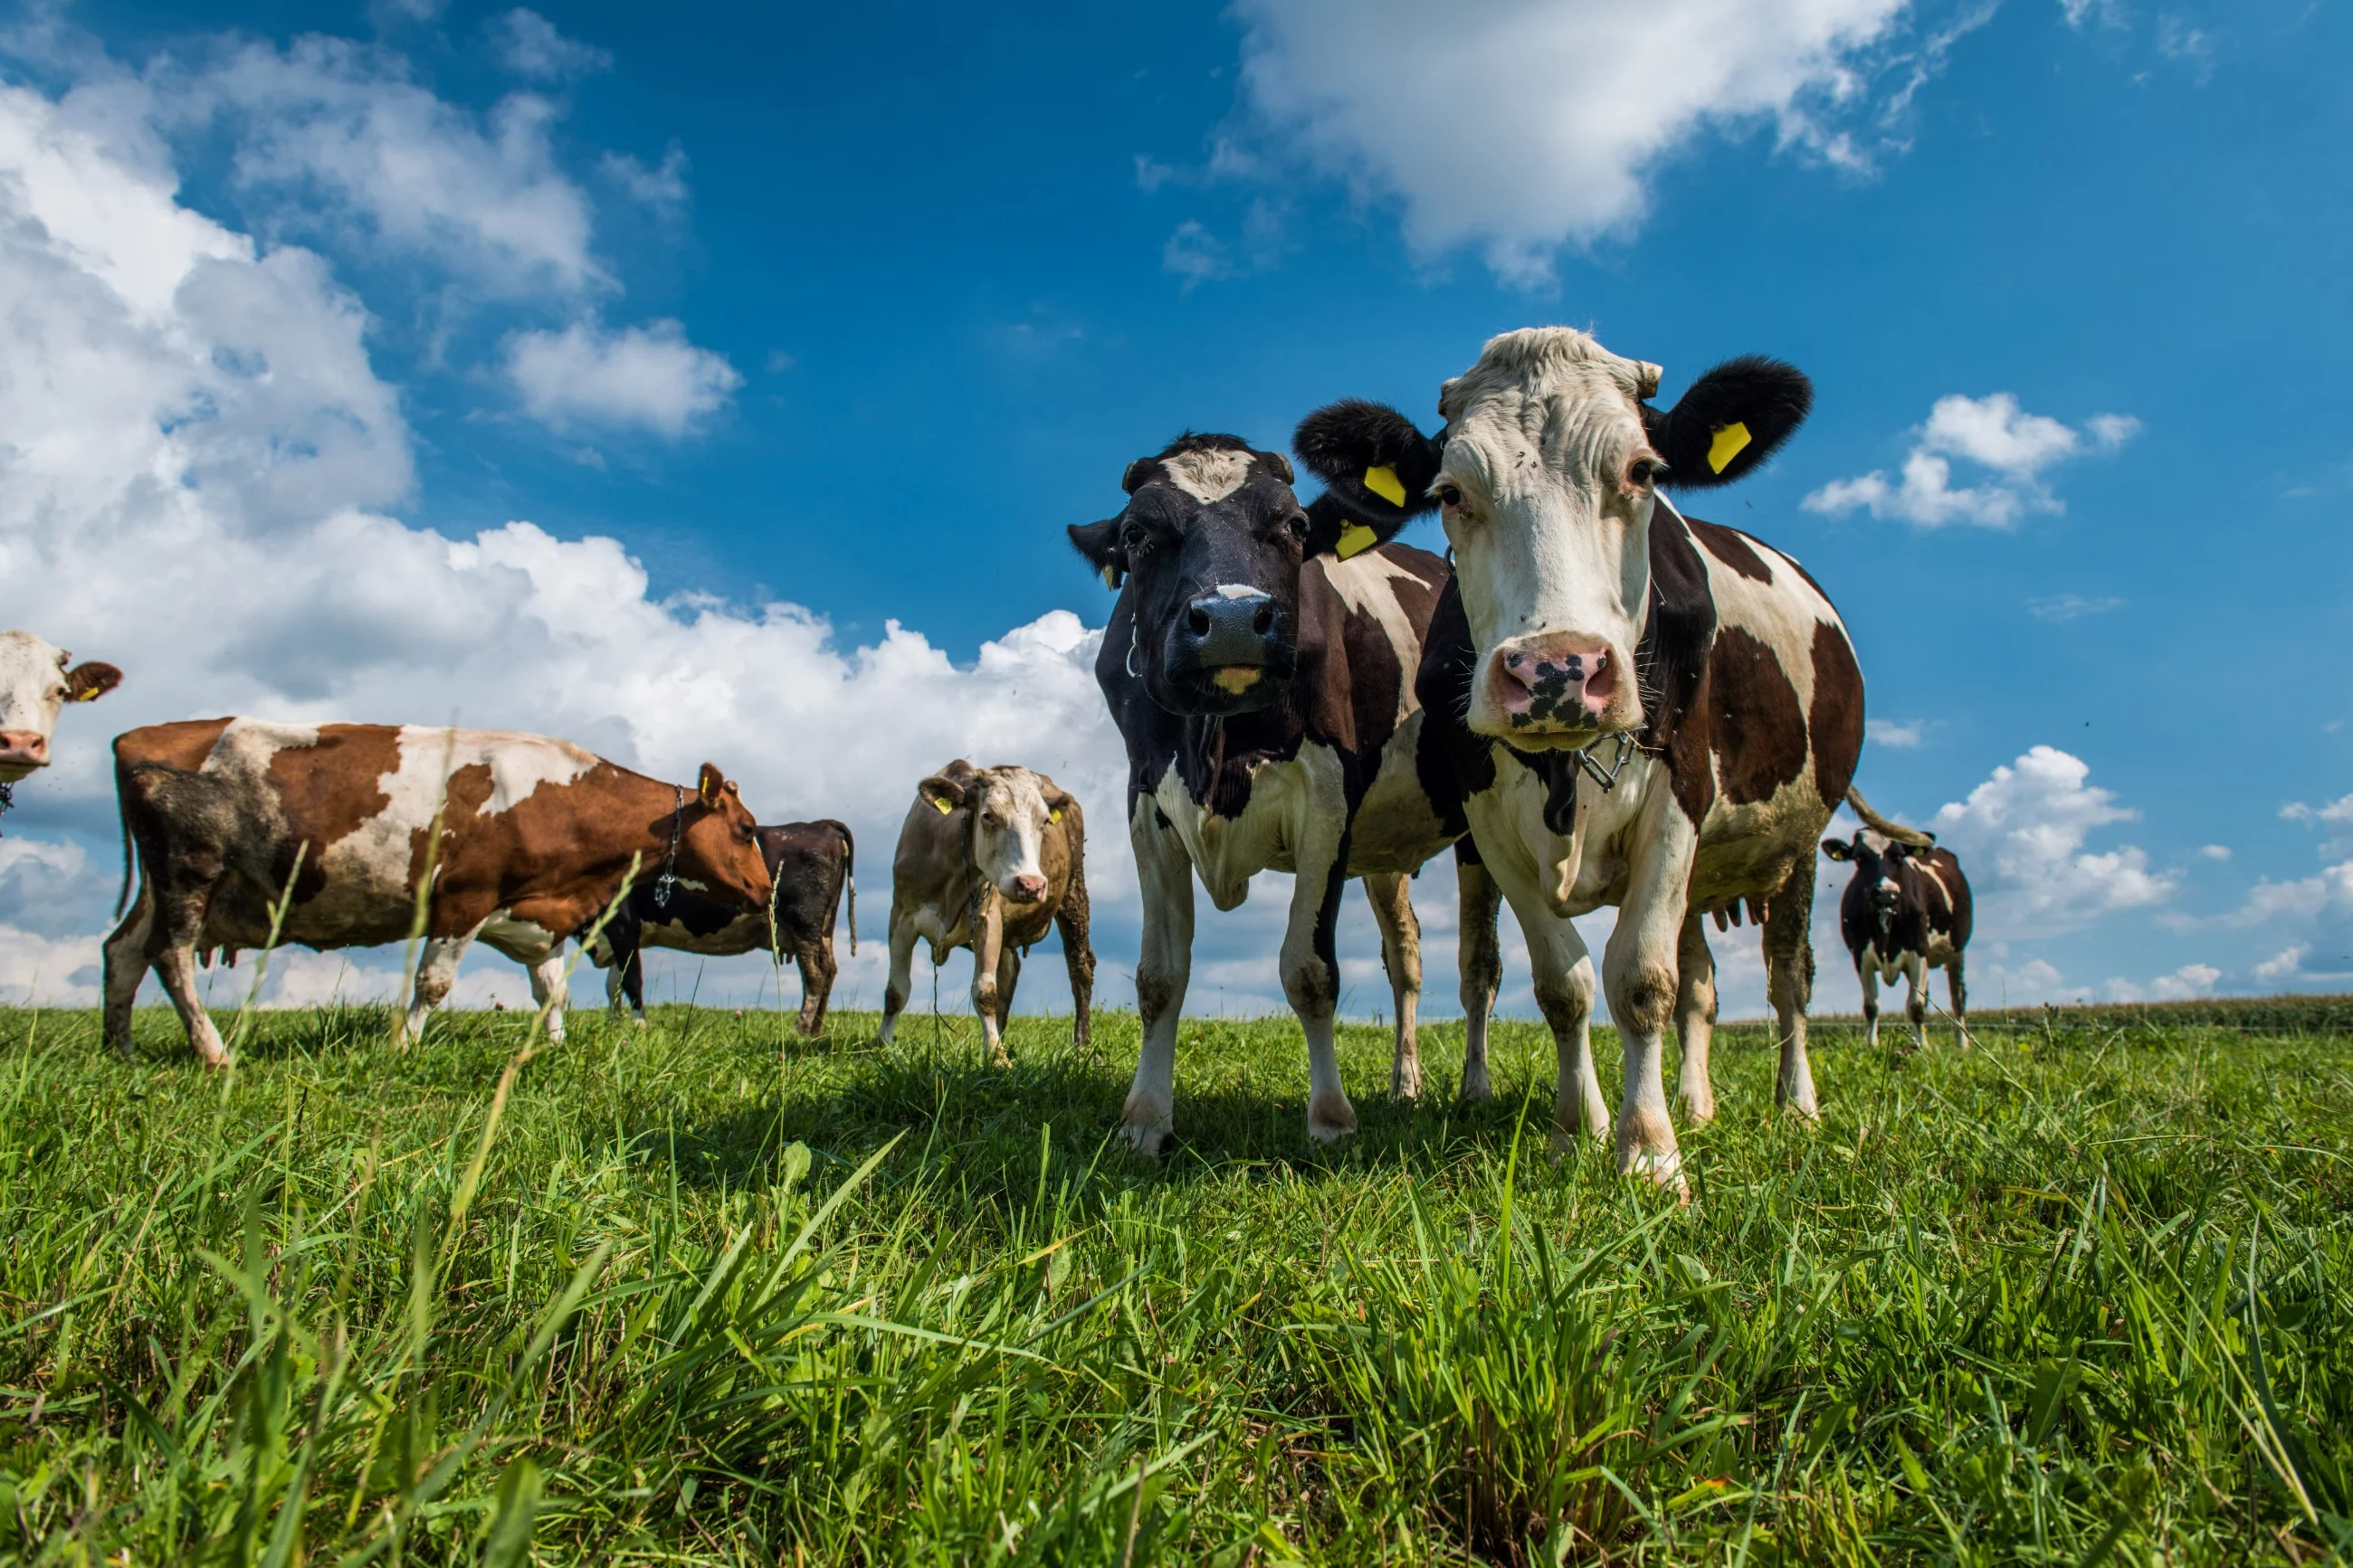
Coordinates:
1099	542
89	680
1836	849
1139	474
1728	421
943	793
1377	470
711	783
1058	803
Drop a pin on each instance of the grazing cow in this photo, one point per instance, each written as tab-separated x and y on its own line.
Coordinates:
991	858
1259	665
1634	709
230	818
809	866
1906	913
34	684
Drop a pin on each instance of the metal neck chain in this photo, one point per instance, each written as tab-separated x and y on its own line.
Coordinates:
669	878
7	795
1607	777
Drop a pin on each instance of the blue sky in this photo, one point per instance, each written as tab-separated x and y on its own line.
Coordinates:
853	309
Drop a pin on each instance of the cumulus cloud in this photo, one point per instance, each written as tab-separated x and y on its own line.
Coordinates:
2022	834
1905	737
1519	125
2011	447
649	376
530	47
661	186
2336	816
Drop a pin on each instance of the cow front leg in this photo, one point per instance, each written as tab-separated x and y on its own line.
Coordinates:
125	965
437	972
1639	972
1789	986
175	966
1164	964
896	990
1388	893
549	992
817	965
1916	998
989	951
1694	1019
1480	959
1311	979
1867	972
1072	921
1959	994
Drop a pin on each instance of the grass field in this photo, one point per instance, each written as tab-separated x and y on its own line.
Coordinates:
2082	1294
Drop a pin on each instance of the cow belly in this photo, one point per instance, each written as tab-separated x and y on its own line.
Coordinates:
1396	830
746	933
526	942
1227	852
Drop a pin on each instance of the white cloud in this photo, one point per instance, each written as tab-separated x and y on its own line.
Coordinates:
1197	255
1992	434
2215	851
530	45
2061	608
1518	125
2336	816
640	375
2105	12
660	186
1903	737
2285	964
2178	38
2021	834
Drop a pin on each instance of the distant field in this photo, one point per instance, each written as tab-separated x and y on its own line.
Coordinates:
2083	1293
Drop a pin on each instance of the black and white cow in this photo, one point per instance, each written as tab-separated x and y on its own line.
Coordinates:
1906	913
1259	665
810	863
1593	633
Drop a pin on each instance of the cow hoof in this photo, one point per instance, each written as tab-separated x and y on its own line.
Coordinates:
1145	1142
1405	1085
1698	1109
1330	1118
1476	1088
1660	1168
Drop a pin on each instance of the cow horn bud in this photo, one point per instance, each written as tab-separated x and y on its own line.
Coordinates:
1646	379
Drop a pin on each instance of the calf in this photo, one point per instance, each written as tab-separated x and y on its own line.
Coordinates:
809	866
232	819
991	858
35	683
1259	665
1906	912
1630	707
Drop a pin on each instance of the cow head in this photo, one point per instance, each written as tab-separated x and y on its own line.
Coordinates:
1210	548
34	684
1546	476
1879	863
719	844
1006	812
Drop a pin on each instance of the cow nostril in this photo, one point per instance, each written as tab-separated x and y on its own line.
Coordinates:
1264	622
1197	621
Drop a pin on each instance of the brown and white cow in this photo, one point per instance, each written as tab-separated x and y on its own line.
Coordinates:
1594	635
991	858
1906	911
536	838
35	683
810	865
1259	665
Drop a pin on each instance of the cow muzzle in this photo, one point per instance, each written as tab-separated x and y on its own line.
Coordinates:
1231	646
1560	683
1026	889
22	751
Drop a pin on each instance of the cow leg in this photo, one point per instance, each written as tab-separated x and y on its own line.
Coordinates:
989	951
1311	969
1073	920
1637	971
548	990
436	970
1959	994
177	920
125	965
1867	971
1481	958
903	968
815	960
1916	997
175	966
1008	980
1694	1019
1392	903
1164	964
1789	986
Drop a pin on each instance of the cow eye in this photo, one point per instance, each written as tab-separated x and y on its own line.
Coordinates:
1448	495
1297	524
1642	472
1135	539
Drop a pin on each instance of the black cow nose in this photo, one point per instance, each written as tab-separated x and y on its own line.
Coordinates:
1228	628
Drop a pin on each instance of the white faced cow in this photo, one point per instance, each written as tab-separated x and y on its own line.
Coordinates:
1637	709
35	683
536	838
1259	665
1906	913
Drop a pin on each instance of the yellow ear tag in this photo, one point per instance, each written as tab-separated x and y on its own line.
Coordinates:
1355	540
1383	482
1055	815
945	808
1730	441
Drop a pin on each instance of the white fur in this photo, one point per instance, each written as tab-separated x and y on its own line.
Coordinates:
1208	477
1363	583
32	690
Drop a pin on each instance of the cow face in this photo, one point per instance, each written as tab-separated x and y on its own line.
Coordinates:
719	845
1546	478
1210	546
1009	812
34	684
1879	864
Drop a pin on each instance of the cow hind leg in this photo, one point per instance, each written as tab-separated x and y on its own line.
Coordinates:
1694	1019
125	965
1392	903
1072	921
437	972
1868	972
1311	981
903	968
1164	965
175	966
1789	986
1480	959
549	992
1916	998
815	960
1959	994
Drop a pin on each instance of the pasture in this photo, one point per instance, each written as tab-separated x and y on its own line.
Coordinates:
2083	1293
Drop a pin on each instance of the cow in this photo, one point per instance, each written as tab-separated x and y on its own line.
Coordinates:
991	858
35	682
1906	911
1259	664
228	821
1633	708
809	866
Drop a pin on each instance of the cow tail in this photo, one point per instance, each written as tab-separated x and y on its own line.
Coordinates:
1918	838
848	878
123	817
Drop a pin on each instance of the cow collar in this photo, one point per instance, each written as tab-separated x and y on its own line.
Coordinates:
7	796
669	878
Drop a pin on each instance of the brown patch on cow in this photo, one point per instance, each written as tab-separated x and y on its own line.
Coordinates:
1760	734
1673	662
184	745
1733	548
1834	723
339	784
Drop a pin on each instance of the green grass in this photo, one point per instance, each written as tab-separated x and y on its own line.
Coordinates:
2083	1294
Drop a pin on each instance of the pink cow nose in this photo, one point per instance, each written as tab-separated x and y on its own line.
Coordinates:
1554	681
24	748
1030	890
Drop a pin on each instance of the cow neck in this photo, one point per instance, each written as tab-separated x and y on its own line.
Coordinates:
1672	658
1216	757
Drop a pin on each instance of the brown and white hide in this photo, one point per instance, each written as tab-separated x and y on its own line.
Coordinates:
38	678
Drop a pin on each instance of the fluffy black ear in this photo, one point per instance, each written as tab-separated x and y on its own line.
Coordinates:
1729	421
1837	850
1374	465
1099	542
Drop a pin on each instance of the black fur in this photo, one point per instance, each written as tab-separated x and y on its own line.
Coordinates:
1769	397
1341	440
